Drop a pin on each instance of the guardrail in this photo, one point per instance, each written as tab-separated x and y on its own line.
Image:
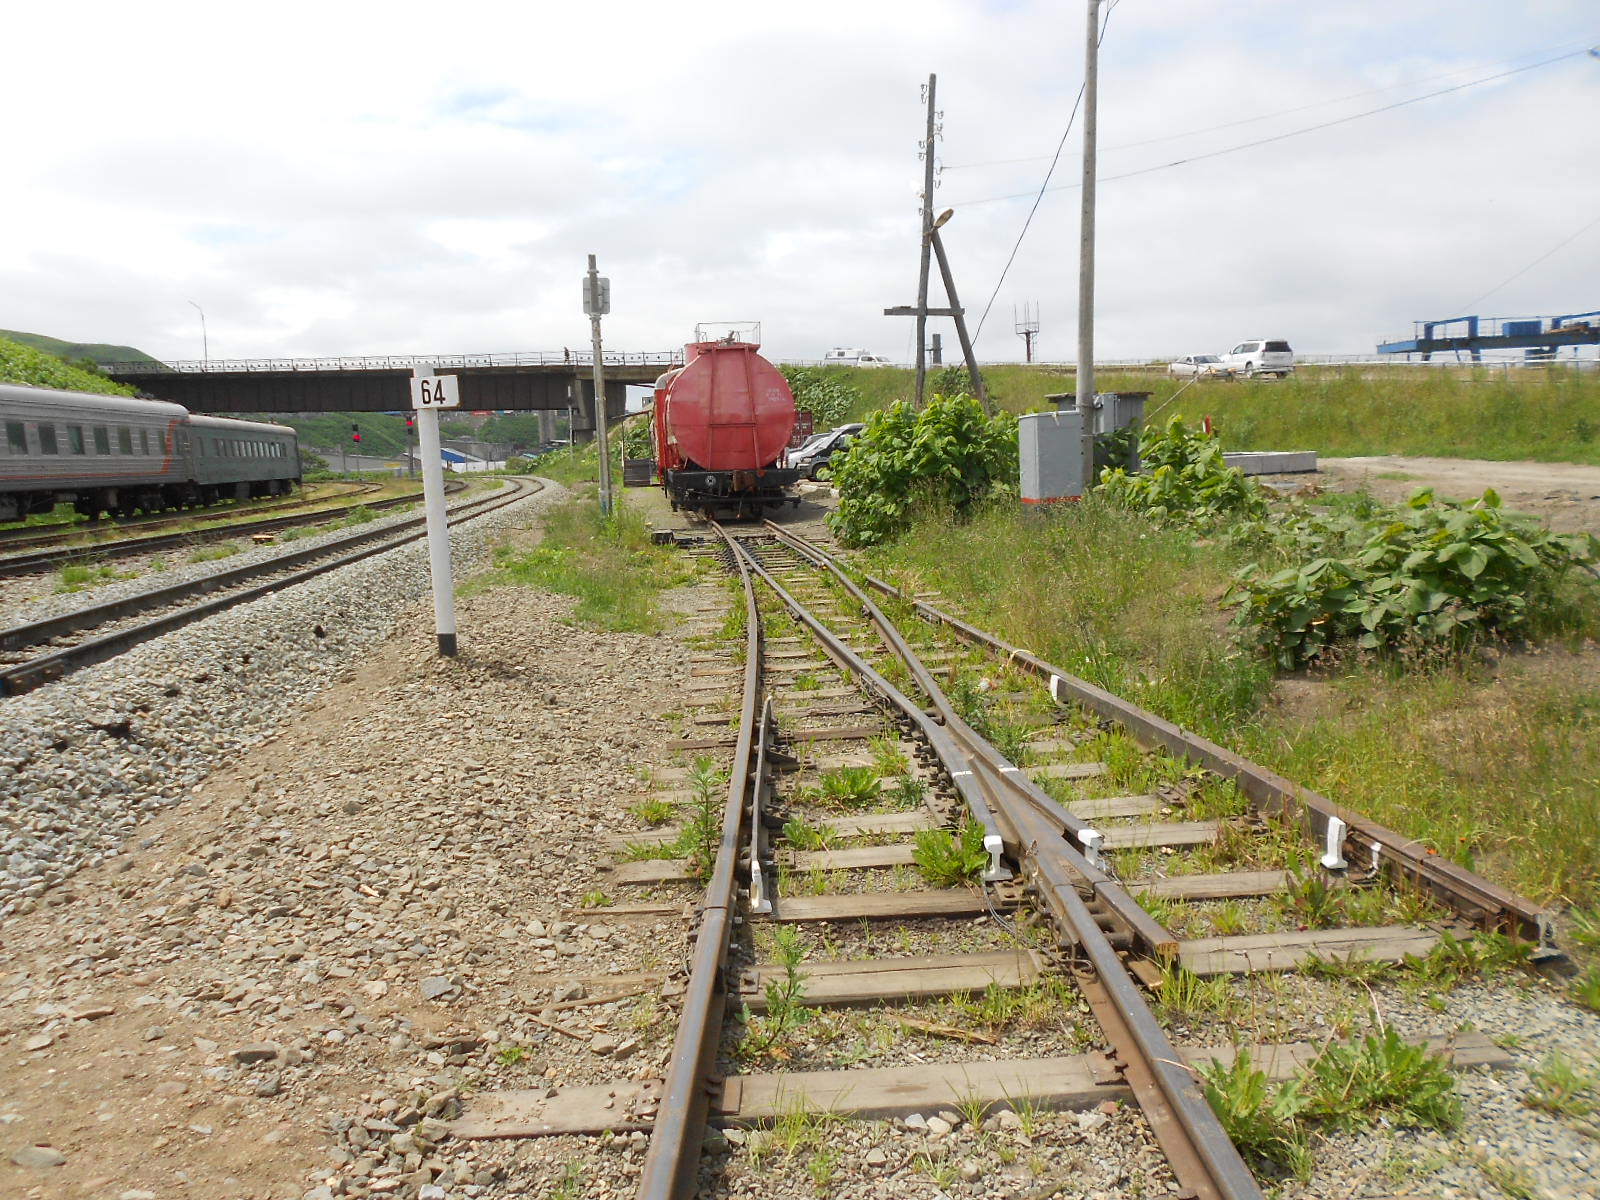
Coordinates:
391	362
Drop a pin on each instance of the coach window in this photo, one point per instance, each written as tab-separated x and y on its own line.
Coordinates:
124	439
144	442
75	439
47	440
16	437
102	440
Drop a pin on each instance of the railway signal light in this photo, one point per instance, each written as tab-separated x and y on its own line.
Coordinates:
355	433
411	423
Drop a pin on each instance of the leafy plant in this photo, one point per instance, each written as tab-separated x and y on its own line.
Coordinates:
509	1056
1454	959
785	1013
947	456
597	899
803	835
1431	576
848	785
1310	902
1563	1089
830	401
1351	1086
653	811
945	859
1261	1118
1184	478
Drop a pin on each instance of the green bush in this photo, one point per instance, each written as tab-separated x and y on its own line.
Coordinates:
830	401
1432	576
1184	478
947	457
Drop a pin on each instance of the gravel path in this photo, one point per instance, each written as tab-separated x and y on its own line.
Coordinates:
280	889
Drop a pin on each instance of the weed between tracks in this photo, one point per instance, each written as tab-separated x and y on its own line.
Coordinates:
609	564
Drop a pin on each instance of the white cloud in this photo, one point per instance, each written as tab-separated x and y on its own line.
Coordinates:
355	178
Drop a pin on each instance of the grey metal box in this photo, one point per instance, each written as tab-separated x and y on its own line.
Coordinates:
1050	447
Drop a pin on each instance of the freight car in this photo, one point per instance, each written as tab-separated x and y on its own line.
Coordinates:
722	423
119	455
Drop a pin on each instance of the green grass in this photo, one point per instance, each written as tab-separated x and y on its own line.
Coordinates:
78	577
610	565
1491	761
1551	414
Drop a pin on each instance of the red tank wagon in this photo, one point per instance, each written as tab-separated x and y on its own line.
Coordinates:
722	423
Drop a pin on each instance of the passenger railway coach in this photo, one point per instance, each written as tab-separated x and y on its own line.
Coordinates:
120	455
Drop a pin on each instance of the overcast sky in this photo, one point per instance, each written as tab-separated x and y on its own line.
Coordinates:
333	178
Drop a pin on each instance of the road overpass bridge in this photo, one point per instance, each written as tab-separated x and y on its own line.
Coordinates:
536	380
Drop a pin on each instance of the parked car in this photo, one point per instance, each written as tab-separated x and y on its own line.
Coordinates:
1207	366
1258	357
841	356
820	448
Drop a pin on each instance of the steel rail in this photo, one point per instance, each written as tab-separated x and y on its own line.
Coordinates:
36	672
1197	1148
44	535
1469	895
1127	913
672	1160
33	632
22	564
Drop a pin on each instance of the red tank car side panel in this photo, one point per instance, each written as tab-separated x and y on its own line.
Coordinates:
728	409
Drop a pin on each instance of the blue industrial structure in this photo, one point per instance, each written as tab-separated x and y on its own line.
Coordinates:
1540	337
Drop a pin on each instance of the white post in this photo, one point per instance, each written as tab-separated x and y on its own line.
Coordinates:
444	600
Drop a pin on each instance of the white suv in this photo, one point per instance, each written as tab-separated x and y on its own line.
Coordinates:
1259	358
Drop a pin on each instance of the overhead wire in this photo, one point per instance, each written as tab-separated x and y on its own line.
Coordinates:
1282	112
1279	137
1105	23
1471	304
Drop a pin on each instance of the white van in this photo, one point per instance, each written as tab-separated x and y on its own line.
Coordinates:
841	356
1258	357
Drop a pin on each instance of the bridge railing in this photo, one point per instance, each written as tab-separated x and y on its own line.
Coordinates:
393	362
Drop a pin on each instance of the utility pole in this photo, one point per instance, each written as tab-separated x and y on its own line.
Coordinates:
932	242
927	233
1086	225
1027	329
596	302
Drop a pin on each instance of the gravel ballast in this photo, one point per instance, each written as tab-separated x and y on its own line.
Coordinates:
283	890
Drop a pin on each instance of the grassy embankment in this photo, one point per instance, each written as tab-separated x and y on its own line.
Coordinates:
1493	761
1548	414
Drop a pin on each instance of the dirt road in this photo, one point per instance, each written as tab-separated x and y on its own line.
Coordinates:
1566	495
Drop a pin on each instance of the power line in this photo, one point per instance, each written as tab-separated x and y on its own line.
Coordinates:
1471	304
1267	141
1045	186
1282	112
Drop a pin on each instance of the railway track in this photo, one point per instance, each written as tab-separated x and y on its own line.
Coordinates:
59	549
38	652
1092	850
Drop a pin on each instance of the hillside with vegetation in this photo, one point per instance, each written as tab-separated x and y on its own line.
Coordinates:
21	363
77	352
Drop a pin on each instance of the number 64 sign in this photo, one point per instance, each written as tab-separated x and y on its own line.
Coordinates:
442	391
